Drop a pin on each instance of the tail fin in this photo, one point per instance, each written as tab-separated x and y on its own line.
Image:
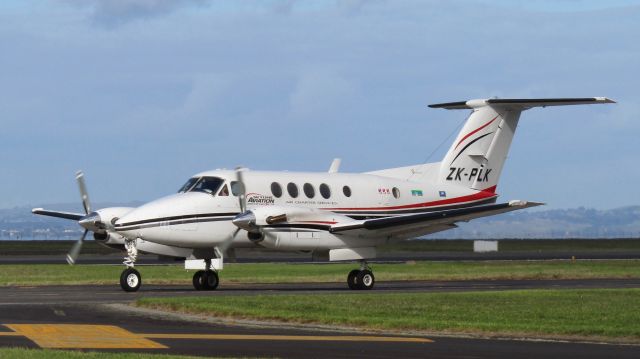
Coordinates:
477	156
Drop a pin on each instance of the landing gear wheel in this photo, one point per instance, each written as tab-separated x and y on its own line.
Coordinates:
198	280
365	279
210	280
352	279
130	280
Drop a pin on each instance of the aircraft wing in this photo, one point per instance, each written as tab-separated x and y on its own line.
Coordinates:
57	214
430	222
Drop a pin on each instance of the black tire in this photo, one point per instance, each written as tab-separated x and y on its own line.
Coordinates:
365	279
352	279
198	280
130	280
210	280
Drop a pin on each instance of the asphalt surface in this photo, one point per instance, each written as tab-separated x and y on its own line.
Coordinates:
97	317
116	258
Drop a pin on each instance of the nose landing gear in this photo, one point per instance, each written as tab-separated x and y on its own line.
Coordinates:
130	279
361	279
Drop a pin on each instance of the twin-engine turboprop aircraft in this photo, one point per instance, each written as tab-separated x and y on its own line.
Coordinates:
343	216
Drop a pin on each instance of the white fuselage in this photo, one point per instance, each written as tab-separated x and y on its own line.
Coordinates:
196	219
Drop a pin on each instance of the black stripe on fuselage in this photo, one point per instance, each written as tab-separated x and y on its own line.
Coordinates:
218	217
172	218
176	220
379	214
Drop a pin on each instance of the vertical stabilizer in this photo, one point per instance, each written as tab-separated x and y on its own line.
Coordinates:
478	154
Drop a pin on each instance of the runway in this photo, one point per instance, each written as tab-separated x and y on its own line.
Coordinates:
393	257
96	317
25	295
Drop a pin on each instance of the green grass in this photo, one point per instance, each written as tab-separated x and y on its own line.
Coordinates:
56	274
594	313
23	353
61	247
518	245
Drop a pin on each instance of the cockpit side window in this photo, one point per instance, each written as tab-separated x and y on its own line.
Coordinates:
208	185
187	186
224	191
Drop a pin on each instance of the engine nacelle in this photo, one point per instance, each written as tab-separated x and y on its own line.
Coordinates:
109	239
106	217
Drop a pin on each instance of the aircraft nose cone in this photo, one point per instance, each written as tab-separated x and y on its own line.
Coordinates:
91	222
246	221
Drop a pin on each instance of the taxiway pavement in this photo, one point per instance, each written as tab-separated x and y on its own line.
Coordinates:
96	317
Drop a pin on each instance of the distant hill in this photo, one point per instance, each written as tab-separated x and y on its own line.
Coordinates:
580	222
19	223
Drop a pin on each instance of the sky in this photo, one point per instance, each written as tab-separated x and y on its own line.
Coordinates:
141	94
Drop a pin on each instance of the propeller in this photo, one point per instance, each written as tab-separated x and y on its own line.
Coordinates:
90	221
83	192
75	250
241	190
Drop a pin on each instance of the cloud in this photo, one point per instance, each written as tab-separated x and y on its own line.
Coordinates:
110	13
320	93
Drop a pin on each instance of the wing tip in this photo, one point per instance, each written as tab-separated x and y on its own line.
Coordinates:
520	203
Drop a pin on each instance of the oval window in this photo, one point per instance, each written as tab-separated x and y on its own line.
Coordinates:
396	192
347	191
325	191
292	188
276	189
308	189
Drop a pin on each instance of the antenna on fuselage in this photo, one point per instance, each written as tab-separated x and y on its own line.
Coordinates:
335	165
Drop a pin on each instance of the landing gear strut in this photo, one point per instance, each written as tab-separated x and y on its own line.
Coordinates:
361	278
130	279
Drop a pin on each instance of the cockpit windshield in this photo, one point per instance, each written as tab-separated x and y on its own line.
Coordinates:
208	185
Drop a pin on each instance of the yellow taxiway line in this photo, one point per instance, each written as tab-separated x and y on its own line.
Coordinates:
328	338
87	336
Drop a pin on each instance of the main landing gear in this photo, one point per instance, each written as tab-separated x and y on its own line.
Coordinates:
130	279
362	278
206	279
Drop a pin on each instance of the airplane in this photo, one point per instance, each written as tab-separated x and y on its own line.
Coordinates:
339	216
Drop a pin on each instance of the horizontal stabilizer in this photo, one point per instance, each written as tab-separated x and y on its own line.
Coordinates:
57	214
522	103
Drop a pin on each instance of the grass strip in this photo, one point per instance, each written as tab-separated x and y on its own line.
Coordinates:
592	313
59	274
25	353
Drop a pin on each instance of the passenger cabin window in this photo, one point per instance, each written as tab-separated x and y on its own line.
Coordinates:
292	188
209	185
276	189
396	192
325	191
309	191
347	191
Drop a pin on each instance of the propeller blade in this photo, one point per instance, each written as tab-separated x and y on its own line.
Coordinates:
241	195
75	250
83	192
224	246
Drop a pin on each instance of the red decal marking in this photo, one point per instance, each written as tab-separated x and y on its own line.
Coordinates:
474	131
319	222
484	194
